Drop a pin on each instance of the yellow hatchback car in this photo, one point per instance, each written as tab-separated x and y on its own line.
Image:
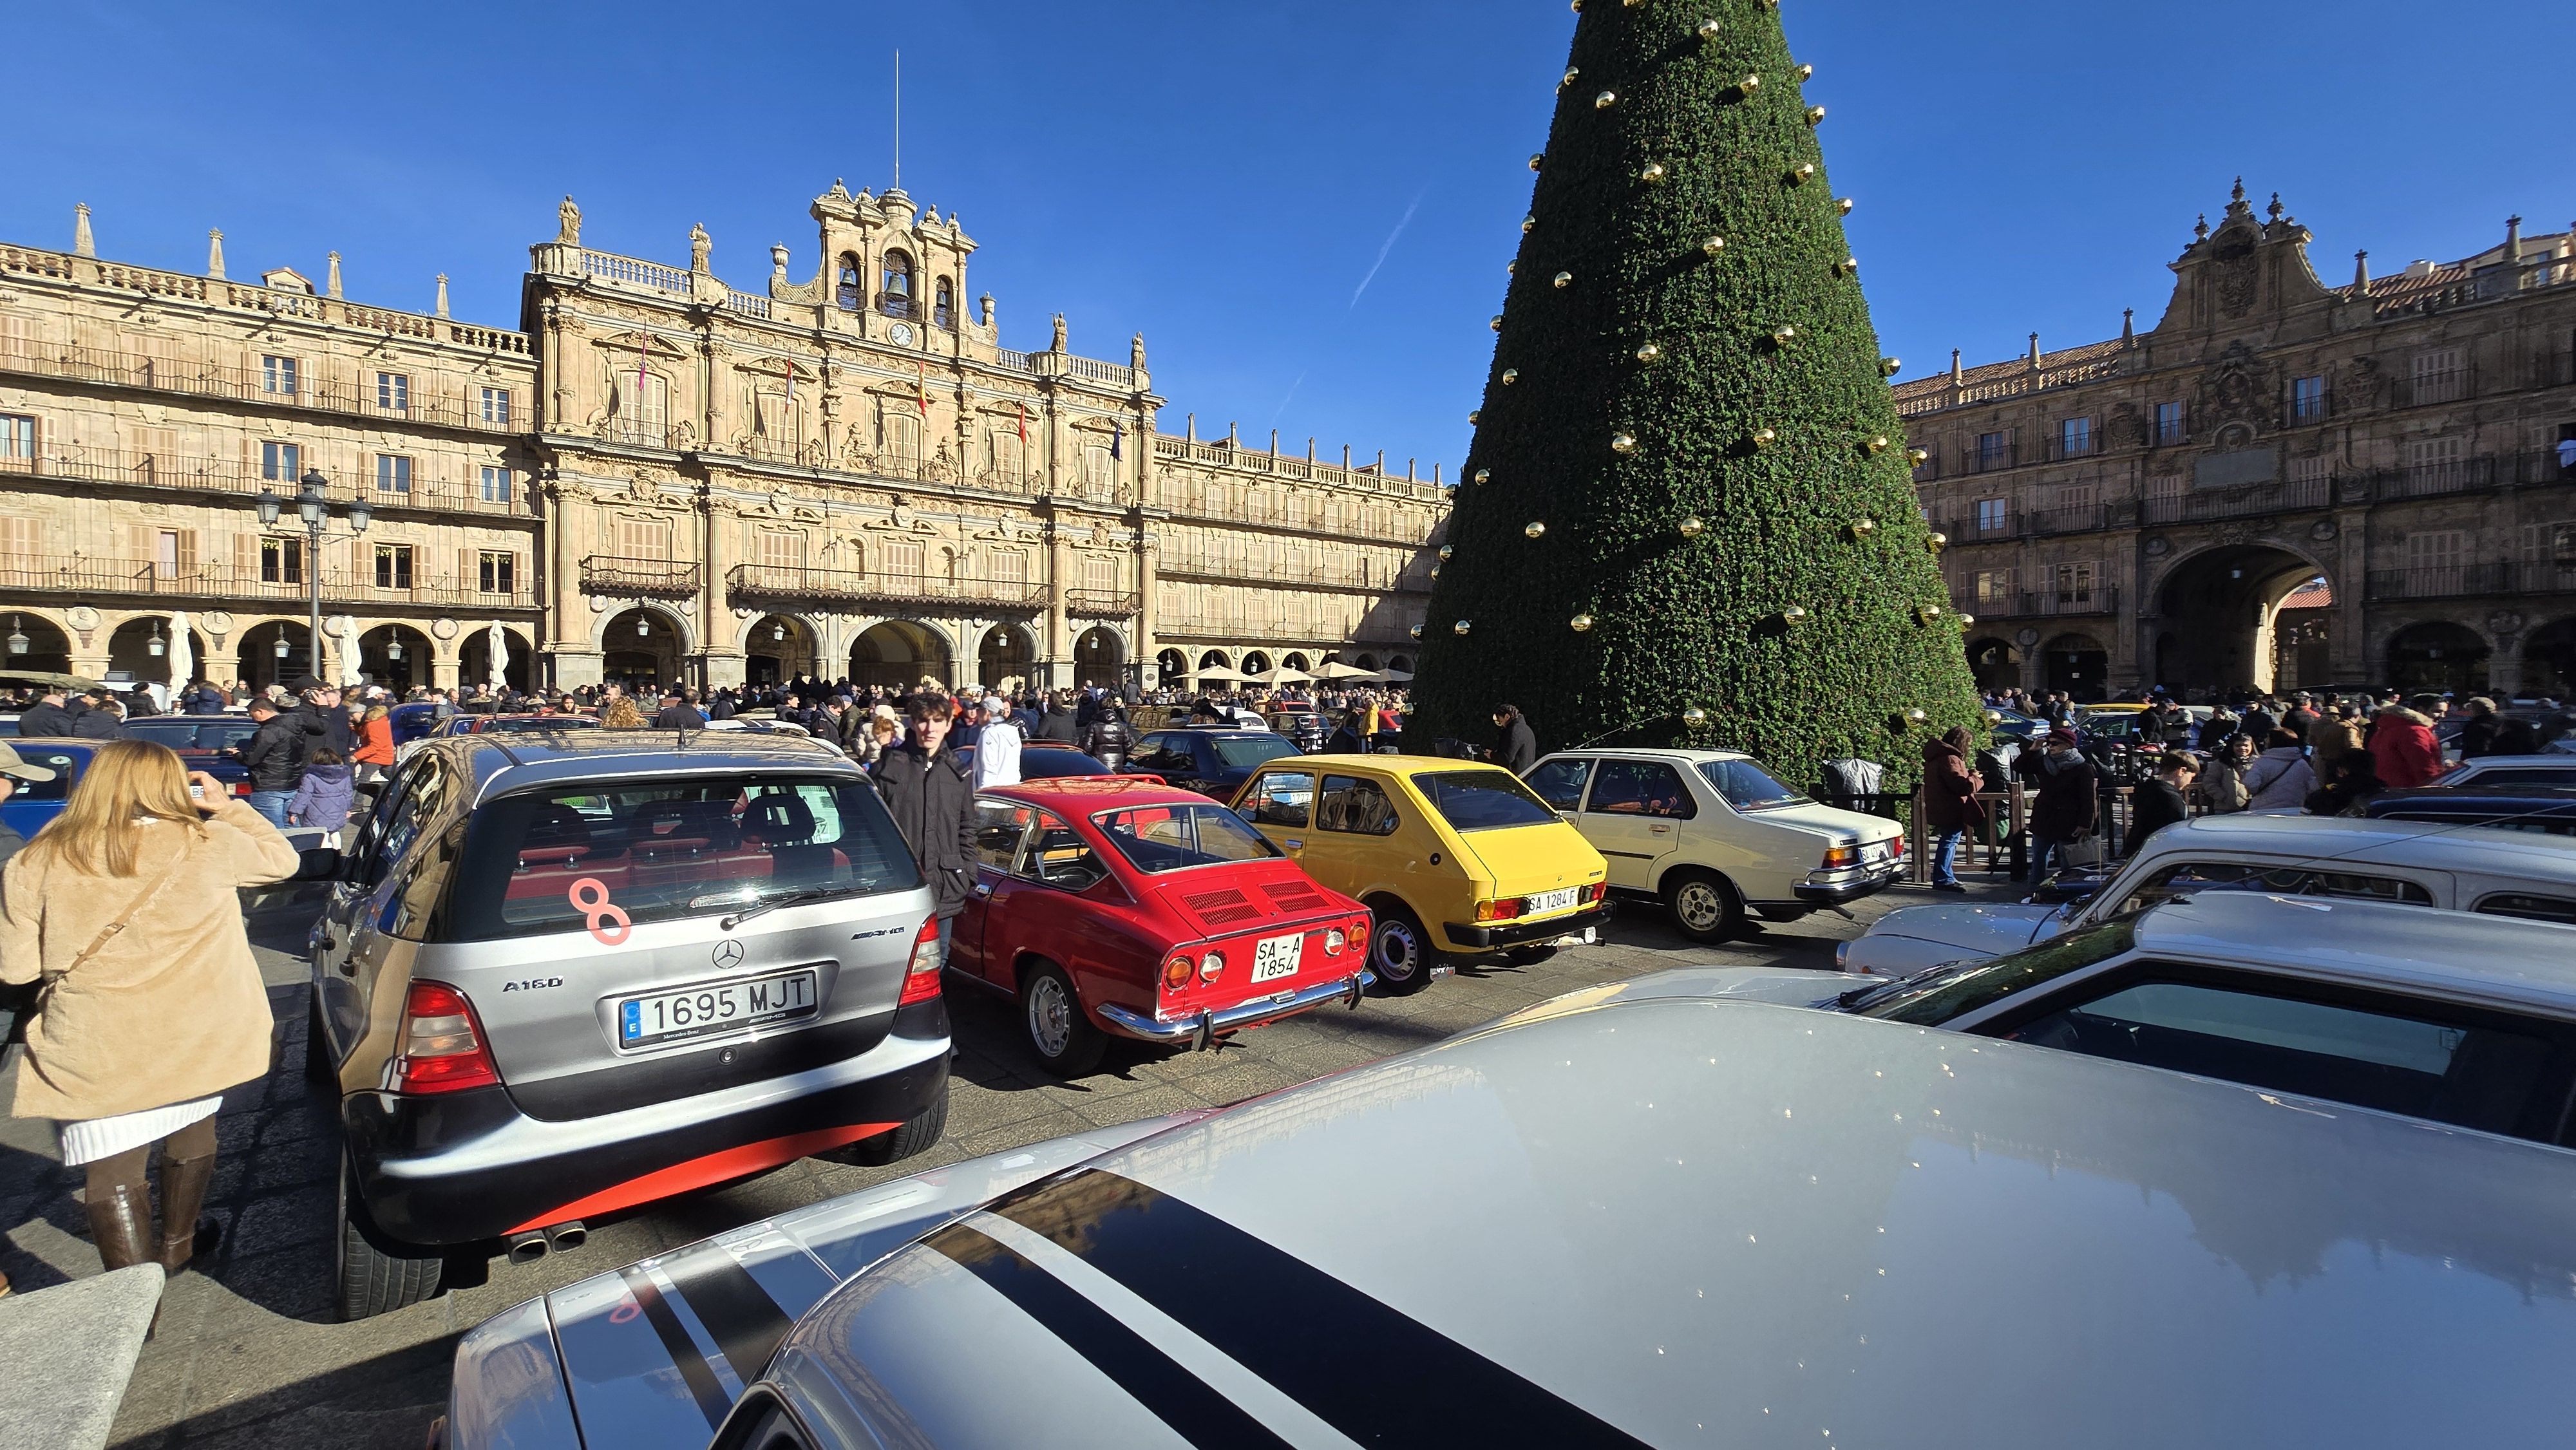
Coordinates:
1456	859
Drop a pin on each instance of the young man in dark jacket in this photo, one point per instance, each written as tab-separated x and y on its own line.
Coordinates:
1515	744
274	755
47	718
932	800
1058	723
2162	801
2065	810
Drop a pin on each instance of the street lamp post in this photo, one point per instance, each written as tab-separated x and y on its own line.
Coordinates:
313	505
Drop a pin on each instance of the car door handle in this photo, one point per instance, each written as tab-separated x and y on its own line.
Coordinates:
1294	844
1661	830
983	890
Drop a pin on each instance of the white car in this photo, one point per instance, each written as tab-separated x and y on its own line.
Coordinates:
2462	1019
2469	868
1714	835
1647	1223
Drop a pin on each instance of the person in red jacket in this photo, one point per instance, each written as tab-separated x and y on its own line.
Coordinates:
2403	747
1950	805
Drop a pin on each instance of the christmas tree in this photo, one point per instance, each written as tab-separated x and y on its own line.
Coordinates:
1687	518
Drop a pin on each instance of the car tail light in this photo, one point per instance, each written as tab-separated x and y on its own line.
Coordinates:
1837	857
921	975
1334	941
241	787
1211	966
1176	973
442	1047
1597	890
1896	848
1500	910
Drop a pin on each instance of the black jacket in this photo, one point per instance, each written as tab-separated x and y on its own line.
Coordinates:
1517	748
2155	805
932	800
323	726
1106	740
2066	804
1058	724
274	753
98	725
44	719
679	717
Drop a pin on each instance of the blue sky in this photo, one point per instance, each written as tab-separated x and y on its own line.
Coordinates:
1304	205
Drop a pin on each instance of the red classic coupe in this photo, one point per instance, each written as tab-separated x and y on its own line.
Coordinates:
1119	905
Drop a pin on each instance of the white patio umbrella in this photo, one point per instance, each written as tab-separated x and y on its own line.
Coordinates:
1336	670
350	675
496	644
183	656
1222	674
1392	677
1282	675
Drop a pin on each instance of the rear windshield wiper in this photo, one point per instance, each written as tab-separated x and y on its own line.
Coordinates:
789	898
1860	995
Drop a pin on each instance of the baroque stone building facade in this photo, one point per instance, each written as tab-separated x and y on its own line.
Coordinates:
2280	484
661	478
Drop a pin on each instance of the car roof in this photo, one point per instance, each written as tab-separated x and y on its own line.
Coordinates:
2498	961
2548	761
2354	840
1685	757
1406	765
1077	793
509	760
1730	1222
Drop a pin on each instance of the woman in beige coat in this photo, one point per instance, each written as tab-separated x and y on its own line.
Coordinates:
123	910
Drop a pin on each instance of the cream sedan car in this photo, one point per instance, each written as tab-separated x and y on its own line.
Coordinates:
1713	835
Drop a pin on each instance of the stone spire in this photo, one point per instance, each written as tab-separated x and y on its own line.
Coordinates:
2034	352
2361	274
331	286
215	252
1958	374
2128	327
2512	240
441	309
83	245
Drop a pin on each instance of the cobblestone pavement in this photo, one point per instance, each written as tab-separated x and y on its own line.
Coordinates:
247	1353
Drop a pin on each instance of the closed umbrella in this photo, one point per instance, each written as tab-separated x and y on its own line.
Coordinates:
183	656
496	644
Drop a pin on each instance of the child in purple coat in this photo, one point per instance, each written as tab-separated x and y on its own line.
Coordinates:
323	797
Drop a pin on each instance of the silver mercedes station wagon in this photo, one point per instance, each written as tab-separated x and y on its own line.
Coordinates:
565	973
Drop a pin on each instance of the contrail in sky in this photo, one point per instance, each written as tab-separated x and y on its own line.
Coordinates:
1400	225
1283	402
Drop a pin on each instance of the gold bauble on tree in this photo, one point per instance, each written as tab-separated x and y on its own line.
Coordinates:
1783	335
1765	437
1889	367
1694	717
1483	473
1475	416
1563	279
1570	74
1863	528
1529	224
1534	529
1806	72
1461	627
1793	615
1713	246
1649	353
1623	443
1605	100
1580	623
1448	552
1815	115
1692	527
1710	30
1653	174
1415	631
1749	84
1917	456
1936	541
1877	443
1967	621
1511	376
1843	205
1848	266
1535	158
1802	173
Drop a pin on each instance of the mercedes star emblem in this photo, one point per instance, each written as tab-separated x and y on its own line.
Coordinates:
728	953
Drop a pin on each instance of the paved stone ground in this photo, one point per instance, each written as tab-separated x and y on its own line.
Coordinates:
247	1354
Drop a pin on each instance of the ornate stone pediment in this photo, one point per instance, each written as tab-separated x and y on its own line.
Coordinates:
2235	388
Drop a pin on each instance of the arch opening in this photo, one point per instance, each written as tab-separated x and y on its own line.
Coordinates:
36	643
2549	660
640	650
395	656
2077	664
2220	609
1996	663
1008	654
140	652
2438	657
899	655
474	659
778	648
274	653
1099	656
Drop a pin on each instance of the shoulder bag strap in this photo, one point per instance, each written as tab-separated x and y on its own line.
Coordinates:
133	908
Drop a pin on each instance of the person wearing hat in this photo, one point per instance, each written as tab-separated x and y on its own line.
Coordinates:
2066	809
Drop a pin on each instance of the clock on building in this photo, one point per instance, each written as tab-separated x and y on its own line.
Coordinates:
901	332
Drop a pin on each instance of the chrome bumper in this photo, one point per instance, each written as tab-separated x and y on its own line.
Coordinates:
1201	1029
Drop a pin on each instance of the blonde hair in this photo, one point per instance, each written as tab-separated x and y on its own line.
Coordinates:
100	827
621	714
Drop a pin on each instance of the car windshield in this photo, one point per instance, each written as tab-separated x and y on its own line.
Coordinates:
1748	787
1934	997
189	732
1039	763
1245	751
578	855
1483	800
1172	837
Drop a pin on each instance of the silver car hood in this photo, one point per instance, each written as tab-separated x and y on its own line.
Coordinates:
652	1355
1703	1221
1977	930
1781	986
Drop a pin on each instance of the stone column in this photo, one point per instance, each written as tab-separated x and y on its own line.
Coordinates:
1057	667
1147	545
571	657
721	653
445	662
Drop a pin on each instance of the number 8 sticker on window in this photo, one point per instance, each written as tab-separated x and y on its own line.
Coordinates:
589	896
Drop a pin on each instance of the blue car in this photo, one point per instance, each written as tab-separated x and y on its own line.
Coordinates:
37	801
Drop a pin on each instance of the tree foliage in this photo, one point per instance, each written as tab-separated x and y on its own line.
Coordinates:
1684	338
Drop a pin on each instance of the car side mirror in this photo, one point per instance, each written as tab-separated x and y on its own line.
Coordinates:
317	863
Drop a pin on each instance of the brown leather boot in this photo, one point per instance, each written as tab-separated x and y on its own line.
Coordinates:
183	1194
120	1222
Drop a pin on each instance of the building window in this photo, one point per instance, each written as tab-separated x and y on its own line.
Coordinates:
498	484
2073	582
904	557
643	538
2307	399
393	566
2311	471
1994	586
393	473
2168	423
499	572
1992	515
2074	437
496	405
176	553
943	305
1994	450
2439	376
849	292
281	462
780	548
281	561
277	375
393	393
17	436
896	293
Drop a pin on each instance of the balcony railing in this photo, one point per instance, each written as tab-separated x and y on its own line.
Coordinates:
798	582
312	390
2042	603
1982	459
206	475
2455	581
2430	480
1100	603
88	577
2237	503
637	578
792	581
2423	389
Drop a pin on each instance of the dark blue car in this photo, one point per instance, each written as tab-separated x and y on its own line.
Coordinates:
1212	762
37	801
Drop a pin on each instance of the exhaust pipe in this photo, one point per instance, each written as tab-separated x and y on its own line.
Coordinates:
564	1237
526	1247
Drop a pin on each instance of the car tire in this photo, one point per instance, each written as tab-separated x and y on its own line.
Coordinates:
1051	1016
318	1068
1400	951
915	1136
1704	907
374	1275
